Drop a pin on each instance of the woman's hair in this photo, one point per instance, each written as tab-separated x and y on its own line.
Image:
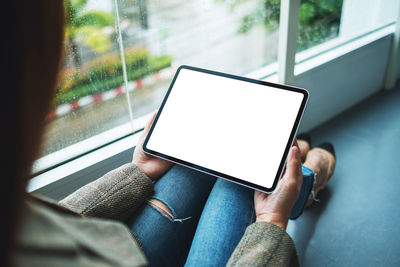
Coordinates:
33	37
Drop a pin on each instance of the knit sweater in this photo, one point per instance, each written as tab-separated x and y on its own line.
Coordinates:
86	229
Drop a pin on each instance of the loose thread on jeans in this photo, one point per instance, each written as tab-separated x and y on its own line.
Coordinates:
169	213
181	220
312	195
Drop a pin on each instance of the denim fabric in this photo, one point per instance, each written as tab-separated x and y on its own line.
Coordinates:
185	192
228	210
306	188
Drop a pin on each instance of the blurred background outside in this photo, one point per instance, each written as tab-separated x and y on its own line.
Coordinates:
234	36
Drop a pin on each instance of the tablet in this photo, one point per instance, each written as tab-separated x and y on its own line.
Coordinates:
228	126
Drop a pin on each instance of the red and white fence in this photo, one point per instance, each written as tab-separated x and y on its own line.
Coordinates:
110	94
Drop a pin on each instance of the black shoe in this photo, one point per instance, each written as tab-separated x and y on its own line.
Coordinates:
305	137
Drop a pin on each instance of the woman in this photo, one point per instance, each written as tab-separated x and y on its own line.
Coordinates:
176	215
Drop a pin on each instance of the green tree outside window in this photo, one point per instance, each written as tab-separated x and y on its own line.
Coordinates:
87	27
319	19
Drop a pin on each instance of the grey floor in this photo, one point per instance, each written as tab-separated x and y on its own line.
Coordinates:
357	222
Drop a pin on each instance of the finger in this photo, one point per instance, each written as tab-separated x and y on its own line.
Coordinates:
293	173
150	122
146	129
295	162
296	144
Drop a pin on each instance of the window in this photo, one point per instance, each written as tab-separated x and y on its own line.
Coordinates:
318	20
360	16
157	36
204	33
91	109
327	24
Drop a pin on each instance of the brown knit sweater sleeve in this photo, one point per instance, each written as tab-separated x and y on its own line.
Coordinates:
264	244
116	195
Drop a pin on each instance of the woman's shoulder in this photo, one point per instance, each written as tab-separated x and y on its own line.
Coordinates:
50	234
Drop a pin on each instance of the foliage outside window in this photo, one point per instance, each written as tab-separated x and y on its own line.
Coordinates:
319	19
89	28
105	73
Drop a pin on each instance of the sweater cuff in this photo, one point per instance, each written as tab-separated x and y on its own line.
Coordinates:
115	195
264	244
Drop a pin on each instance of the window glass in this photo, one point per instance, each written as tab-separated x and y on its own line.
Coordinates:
323	20
361	16
204	33
89	98
158	35
319	21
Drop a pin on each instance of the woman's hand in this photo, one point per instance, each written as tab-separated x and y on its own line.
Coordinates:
276	207
152	166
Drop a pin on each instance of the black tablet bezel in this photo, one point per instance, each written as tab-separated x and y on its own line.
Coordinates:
216	173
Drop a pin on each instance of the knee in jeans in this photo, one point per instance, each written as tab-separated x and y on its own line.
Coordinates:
161	207
165	210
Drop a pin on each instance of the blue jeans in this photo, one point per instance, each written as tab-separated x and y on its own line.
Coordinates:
210	217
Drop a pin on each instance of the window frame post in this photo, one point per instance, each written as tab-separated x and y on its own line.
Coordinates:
394	54
288	30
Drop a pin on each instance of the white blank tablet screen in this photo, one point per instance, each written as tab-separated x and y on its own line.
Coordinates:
230	126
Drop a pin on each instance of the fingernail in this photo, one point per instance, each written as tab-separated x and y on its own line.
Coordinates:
298	152
295	152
